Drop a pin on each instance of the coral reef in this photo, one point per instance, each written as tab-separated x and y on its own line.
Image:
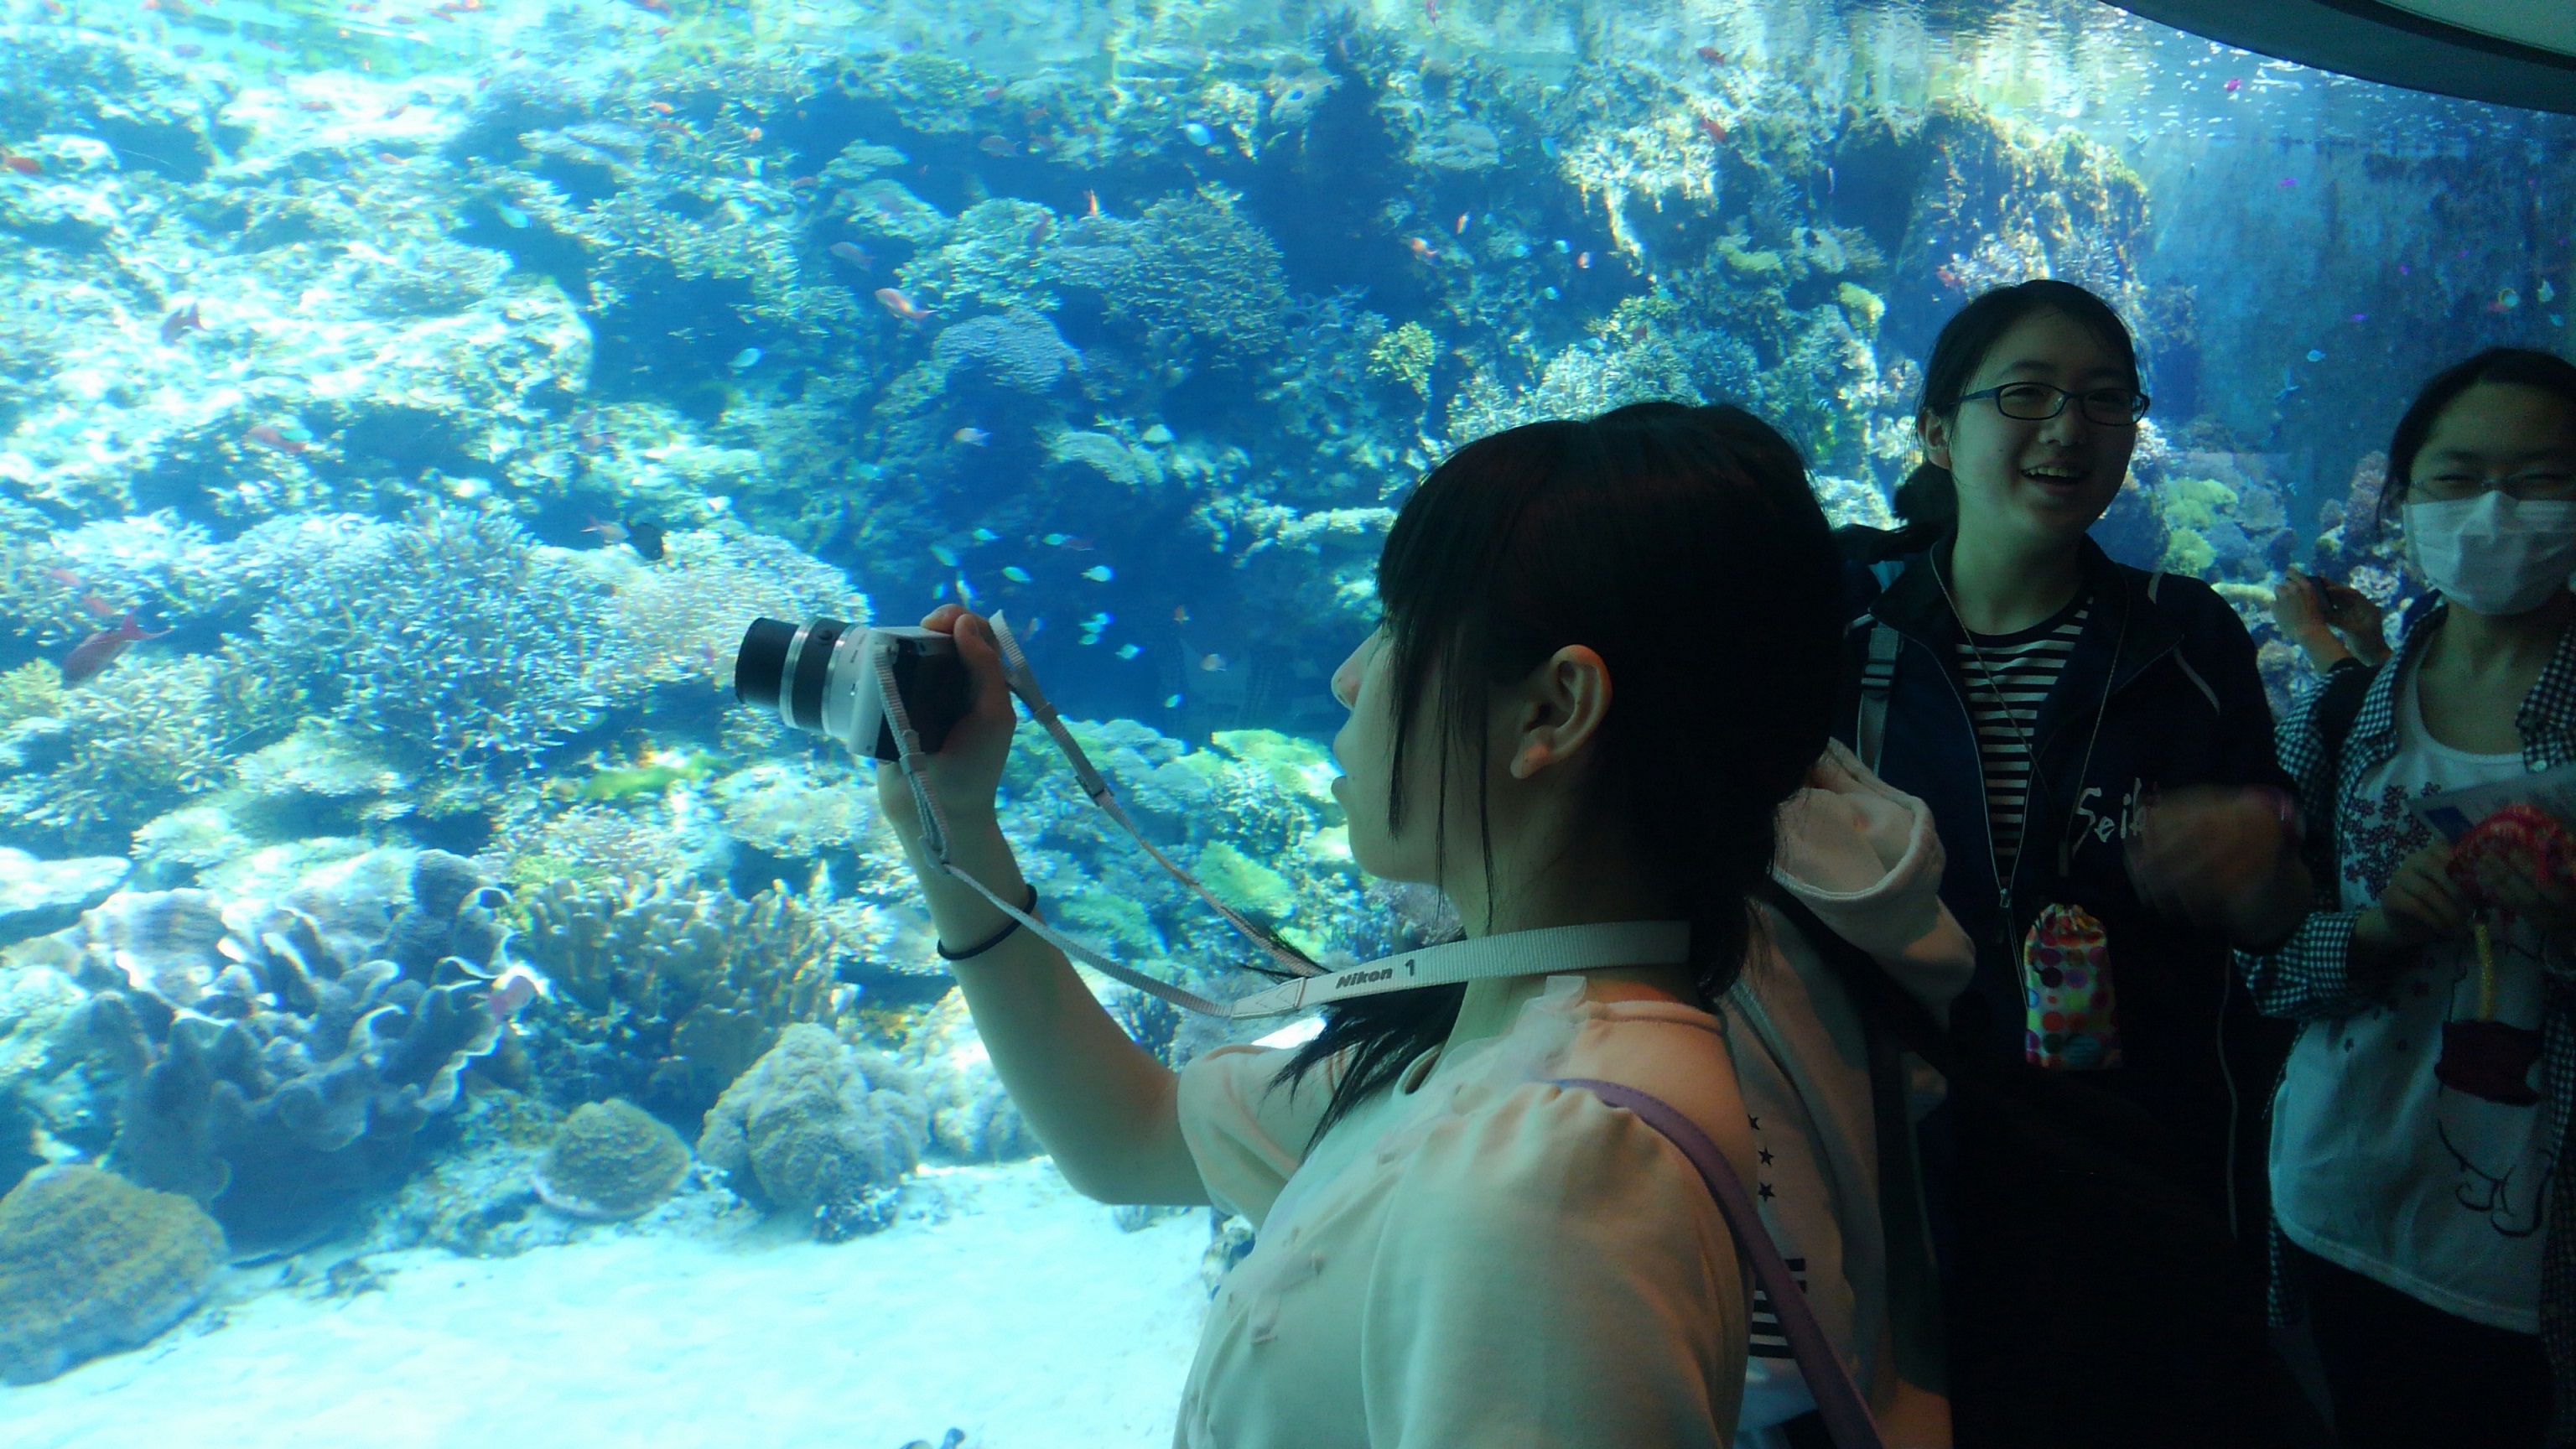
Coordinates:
243	1055
90	1263
664	991
971	1118
820	1129
452	638
611	1159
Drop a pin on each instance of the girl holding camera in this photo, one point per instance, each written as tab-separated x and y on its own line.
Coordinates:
1606	661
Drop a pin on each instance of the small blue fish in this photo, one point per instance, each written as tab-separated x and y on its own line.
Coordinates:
1099	573
965	594
1016	574
2316	354
511	216
745	360
947	556
1055	540
1173	702
1098	622
1128	651
986	535
1563	246
1199	135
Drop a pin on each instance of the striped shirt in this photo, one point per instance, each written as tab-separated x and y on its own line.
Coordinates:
2006	678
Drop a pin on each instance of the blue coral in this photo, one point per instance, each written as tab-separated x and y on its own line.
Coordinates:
453	638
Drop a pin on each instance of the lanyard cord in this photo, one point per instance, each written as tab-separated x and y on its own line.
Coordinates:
1518	953
2007	875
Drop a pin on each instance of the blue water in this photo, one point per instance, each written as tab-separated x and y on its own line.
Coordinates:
404	406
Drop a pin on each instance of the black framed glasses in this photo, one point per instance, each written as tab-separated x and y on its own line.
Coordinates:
2550	485
2037	402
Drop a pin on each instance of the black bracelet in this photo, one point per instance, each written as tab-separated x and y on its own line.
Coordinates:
997	938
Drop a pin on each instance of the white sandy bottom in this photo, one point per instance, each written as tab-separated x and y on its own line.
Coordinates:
1027	1319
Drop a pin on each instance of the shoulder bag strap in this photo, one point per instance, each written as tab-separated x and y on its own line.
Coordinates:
1877	684
1838	1400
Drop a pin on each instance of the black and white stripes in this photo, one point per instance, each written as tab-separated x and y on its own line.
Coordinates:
2006	678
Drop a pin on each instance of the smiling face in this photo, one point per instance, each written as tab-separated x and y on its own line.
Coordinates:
2035	483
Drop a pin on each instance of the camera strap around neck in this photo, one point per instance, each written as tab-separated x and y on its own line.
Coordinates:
1517	953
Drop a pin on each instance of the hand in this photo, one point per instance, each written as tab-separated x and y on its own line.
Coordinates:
2329	621
2222	856
2301	616
2420	905
2514	880
968	768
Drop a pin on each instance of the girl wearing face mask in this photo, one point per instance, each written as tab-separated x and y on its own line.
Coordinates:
2095	744
1455	1249
2417	1133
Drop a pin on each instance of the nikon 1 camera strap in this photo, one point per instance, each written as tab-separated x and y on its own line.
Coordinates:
1518	953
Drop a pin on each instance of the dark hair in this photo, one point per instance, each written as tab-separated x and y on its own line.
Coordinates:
1684	545
2508	366
1928	499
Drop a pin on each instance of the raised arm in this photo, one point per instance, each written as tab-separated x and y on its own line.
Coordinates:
1102	1105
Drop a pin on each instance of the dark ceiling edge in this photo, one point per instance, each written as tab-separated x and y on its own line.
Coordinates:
2381	43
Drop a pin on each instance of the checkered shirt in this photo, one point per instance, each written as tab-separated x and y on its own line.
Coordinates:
2310	976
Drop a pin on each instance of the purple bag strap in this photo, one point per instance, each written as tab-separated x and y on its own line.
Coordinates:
1838	1400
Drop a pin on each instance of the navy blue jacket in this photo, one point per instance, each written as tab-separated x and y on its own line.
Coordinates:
2160	692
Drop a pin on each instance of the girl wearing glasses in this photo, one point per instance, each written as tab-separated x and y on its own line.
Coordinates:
2095	745
2417	1131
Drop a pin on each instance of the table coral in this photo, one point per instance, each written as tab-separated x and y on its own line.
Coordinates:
90	1264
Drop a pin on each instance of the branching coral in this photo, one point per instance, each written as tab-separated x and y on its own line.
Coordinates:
682	617
1193	274
1018	349
136	740
453	637
664	991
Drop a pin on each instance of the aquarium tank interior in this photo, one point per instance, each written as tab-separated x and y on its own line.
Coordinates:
433	1011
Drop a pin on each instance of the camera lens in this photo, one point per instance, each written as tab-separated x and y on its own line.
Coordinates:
785	667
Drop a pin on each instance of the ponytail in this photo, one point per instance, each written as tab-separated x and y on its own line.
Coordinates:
1928	501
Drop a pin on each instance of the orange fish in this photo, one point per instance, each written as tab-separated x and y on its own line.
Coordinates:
23	165
610	533
1422	250
1712	55
659	108
901	305
1180	613
1584	261
1715	129
972	437
99	650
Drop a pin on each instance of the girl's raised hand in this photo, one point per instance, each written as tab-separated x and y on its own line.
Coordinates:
968	768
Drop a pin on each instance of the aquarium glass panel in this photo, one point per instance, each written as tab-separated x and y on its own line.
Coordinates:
434	1009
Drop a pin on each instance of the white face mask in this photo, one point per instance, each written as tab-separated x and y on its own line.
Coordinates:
2494	554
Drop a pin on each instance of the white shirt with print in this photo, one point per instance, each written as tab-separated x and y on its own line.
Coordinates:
2379	1168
